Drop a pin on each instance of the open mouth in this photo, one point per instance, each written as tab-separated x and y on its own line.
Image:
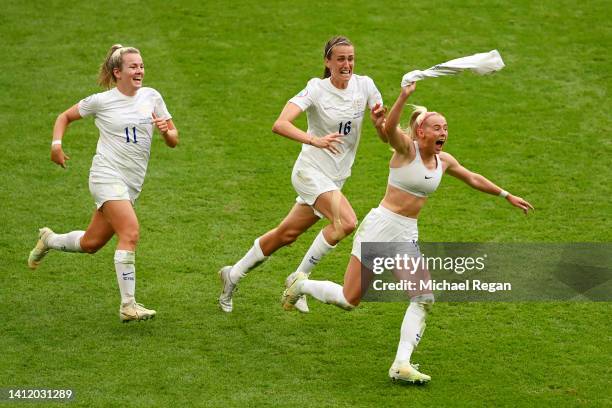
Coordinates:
345	71
440	142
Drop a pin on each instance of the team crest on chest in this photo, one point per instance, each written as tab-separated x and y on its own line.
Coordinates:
145	110
358	104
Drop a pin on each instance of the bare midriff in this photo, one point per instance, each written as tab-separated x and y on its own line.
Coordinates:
402	202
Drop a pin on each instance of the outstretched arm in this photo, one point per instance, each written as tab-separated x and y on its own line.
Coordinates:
400	141
481	183
59	129
284	126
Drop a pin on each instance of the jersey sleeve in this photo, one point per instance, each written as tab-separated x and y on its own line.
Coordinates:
89	105
374	95
304	99
160	109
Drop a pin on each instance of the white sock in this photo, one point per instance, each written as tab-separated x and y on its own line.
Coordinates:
126	274
318	249
70	242
249	261
411	331
326	292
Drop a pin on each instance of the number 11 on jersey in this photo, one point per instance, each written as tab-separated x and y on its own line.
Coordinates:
127	135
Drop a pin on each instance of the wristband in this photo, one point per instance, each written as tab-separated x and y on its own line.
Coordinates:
503	194
56	142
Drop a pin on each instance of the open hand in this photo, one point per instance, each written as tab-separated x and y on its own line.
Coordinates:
328	142
520	203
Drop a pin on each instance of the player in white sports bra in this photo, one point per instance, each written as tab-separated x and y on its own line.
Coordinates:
415	172
335	107
126	115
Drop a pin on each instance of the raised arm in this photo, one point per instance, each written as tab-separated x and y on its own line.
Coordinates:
400	141
59	129
284	126
481	183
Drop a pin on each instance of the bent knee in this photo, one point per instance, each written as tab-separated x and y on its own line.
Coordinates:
352	300
347	226
91	246
129	237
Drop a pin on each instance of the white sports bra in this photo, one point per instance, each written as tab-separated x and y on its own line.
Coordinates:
415	178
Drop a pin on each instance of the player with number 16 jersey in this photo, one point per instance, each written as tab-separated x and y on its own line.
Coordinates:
330	109
335	106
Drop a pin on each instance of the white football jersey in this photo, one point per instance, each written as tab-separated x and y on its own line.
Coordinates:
330	110
126	129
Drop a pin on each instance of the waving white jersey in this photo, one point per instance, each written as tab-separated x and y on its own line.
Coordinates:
330	110
126	129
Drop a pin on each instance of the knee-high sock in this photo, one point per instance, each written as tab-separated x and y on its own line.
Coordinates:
253	258
326	292
411	331
318	249
70	242
126	274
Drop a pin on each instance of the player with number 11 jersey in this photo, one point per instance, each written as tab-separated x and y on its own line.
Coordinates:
126	129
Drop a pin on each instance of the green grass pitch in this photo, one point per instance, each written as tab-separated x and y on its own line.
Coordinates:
539	128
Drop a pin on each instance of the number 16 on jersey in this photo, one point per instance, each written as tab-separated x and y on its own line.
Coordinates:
344	128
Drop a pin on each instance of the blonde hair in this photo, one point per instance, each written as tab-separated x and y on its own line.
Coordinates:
417	118
114	59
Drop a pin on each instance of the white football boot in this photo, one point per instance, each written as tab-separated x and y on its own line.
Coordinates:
41	249
134	312
227	290
301	305
292	293
407	372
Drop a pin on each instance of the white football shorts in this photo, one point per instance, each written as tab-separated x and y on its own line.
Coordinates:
383	225
309	182
106	184
111	190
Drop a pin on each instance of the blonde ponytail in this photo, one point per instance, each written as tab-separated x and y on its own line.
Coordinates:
114	59
416	118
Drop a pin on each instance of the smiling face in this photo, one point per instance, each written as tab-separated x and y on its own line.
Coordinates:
433	133
340	64
129	77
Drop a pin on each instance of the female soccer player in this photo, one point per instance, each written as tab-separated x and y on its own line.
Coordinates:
125	115
334	106
415	172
